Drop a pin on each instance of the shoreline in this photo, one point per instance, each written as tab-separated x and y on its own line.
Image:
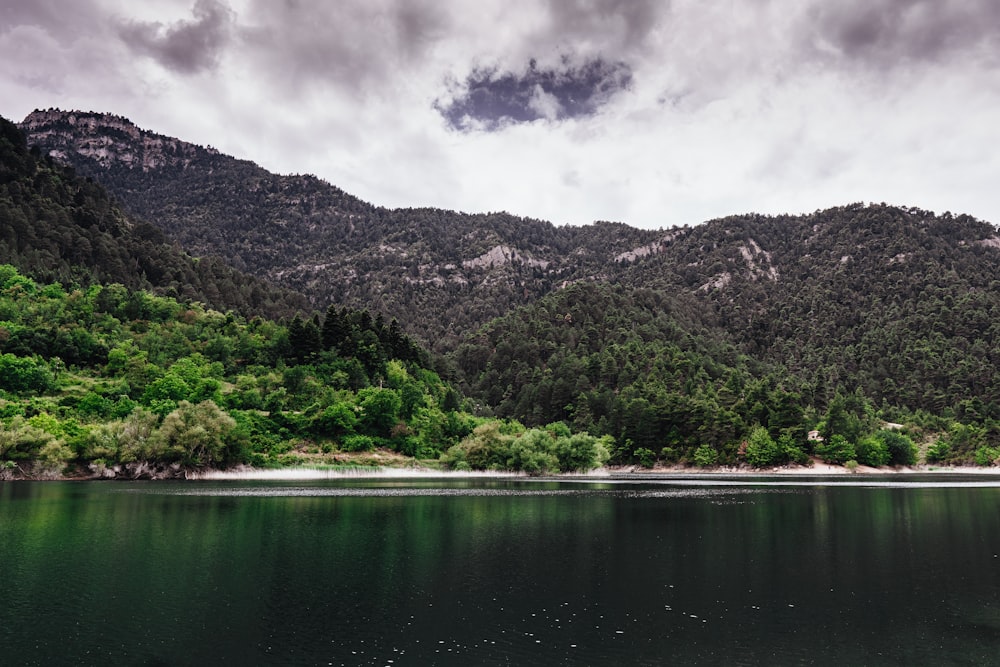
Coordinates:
615	472
416	472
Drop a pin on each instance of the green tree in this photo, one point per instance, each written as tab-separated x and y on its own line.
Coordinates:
902	450
379	410
837	450
705	456
197	435
25	374
872	451
762	451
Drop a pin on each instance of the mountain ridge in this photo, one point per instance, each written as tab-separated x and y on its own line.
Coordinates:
308	235
890	301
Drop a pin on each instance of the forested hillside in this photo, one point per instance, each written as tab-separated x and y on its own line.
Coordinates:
57	226
738	335
894	301
119	383
440	272
100	378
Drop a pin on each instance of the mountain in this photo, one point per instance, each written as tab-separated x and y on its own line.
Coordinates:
893	300
447	272
57	225
780	321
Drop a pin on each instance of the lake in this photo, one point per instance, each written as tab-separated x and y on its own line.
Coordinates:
714	570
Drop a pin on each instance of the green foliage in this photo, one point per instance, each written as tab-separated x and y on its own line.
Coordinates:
358	443
762	451
22	441
902	450
58	226
336	421
837	450
645	457
25	374
705	456
786	323
379	409
497	446
848	416
987	456
533	452
197	435
791	451
939	451
155	397
872	451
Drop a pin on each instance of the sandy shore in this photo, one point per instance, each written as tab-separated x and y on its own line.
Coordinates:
818	469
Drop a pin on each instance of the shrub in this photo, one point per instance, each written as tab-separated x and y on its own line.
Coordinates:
837	450
939	451
336	420
762	451
791	450
533	452
872	451
705	456
197	435
25	374
670	454
358	443
902	450
987	456
582	451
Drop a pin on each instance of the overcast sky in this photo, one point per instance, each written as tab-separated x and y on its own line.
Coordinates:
653	113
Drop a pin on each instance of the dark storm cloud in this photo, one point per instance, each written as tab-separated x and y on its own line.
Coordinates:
353	44
626	22
884	33
60	19
492	99
185	47
581	53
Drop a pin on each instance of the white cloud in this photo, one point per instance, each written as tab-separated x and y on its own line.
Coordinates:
762	106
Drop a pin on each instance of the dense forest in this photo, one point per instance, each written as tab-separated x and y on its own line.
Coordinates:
101	378
867	326
109	381
439	272
60	227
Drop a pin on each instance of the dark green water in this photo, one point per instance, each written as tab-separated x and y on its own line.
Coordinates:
365	572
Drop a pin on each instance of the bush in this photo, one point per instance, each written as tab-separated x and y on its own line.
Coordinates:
336	420
872	451
791	451
197	435
939	451
670	454
358	443
762	451
987	456
25	374
533	452
487	447
705	456
583	451
902	450
837	450
21	440
645	457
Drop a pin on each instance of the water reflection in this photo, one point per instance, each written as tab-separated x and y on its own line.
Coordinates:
501	571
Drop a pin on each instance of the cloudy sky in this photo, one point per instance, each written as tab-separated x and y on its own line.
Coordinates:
654	113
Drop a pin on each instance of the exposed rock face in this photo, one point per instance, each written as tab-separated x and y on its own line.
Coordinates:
502	254
108	140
